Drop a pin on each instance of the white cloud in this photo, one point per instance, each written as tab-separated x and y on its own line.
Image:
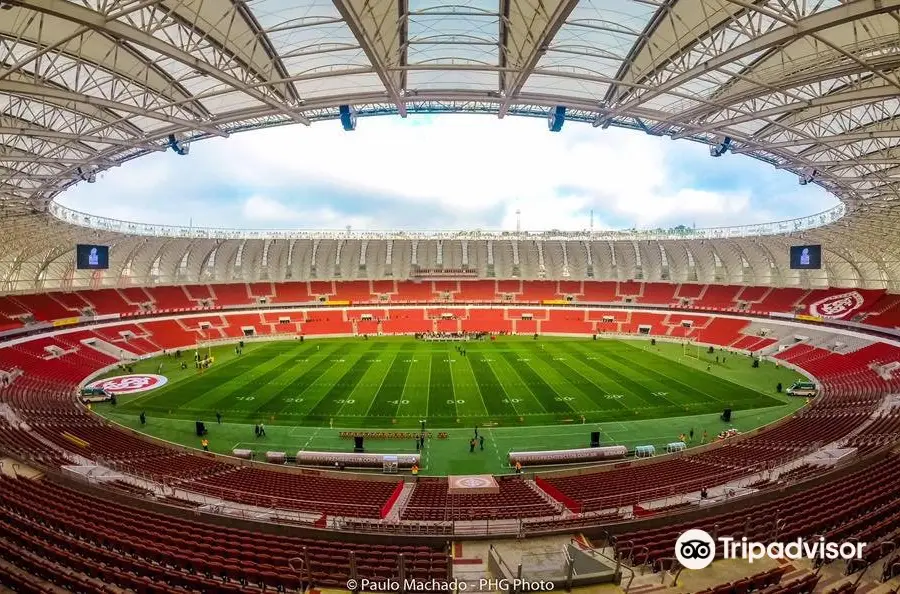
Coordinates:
447	172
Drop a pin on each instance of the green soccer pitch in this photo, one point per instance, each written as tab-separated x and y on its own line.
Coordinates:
524	394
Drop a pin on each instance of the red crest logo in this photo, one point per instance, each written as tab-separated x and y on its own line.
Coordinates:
129	384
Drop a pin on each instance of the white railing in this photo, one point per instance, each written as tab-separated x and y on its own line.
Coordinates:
83	219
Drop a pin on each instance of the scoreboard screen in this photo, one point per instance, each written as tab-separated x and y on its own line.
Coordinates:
91	257
806	257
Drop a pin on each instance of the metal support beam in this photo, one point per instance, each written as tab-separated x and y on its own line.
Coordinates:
43	90
123	31
39	132
776	38
379	61
526	62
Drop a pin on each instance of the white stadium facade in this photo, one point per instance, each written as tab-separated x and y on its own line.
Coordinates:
809	86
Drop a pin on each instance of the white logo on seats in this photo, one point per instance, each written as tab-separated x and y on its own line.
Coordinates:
837	306
129	384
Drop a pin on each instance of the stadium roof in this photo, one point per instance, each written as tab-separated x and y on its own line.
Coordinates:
808	85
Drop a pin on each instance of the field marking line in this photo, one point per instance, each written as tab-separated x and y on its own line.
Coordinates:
718	377
477	385
503	360
329	386
502	385
311	437
559	395
644	379
453	387
357	384
381	383
584	351
606	359
232	387
519	353
428	395
497	449
402	390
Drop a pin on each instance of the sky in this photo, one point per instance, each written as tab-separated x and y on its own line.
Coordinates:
446	172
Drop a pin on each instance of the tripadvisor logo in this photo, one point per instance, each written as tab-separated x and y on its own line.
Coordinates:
696	549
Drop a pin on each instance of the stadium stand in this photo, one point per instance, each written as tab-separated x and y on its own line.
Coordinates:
431	501
57	433
875	304
70	537
305	492
838	509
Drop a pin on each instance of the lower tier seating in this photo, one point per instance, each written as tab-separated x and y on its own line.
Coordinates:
70	538
430	501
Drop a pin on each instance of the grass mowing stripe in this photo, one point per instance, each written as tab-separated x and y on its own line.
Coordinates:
496	400
291	393
417	389
469	399
363	395
594	394
519	393
682	374
303	388
568	398
441	400
269	390
543	392
245	383
199	383
591	366
637	388
336	397
693	396
390	392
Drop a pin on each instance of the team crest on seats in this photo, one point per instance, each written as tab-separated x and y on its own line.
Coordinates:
837	306
129	384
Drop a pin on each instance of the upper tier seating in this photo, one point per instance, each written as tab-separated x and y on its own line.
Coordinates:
50	306
170	298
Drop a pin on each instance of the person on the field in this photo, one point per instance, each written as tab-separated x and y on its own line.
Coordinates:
143	418
418	444
476	430
205	443
472	445
691	434
481	442
518	467
256	429
262	430
218	417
